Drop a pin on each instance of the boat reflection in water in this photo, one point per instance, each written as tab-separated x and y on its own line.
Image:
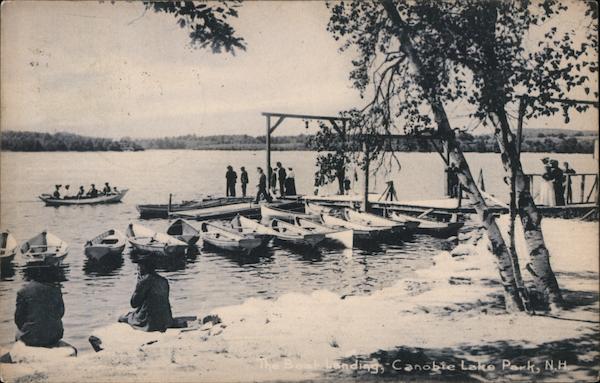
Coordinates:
162	263
105	267
7	271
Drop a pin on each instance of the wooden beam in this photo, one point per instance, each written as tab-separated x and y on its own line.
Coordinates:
268	143
560	100
305	116
279	121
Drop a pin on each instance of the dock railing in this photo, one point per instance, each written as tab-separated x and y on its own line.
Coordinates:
579	188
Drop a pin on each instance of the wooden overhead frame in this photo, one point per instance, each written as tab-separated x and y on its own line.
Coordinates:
333	120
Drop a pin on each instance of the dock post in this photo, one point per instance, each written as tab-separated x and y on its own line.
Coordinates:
365	204
582	188
268	142
169	206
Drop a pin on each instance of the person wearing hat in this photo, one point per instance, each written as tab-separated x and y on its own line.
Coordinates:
231	178
547	195
39	310
150	300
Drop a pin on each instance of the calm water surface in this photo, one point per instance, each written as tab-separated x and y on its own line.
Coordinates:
95	296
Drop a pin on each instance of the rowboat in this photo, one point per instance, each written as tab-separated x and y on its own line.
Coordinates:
8	247
291	234
268	213
429	226
184	231
101	199
226	211
147	241
226	239
368	219
247	226
344	237
316	209
162	210
360	231
45	249
110	243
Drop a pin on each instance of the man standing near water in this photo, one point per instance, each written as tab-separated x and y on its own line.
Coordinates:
243	180
262	186
281	176
39	311
568	183
150	300
231	177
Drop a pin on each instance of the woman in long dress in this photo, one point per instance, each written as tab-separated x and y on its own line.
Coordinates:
547	195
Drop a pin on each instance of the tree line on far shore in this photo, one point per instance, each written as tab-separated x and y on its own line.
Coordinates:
534	140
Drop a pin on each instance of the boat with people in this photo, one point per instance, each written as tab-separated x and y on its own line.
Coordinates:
341	237
248	226
291	234
8	247
110	243
147	241
184	231
223	238
268	212
163	210
115	197
431	227
44	249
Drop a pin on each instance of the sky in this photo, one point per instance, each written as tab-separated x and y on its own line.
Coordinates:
114	70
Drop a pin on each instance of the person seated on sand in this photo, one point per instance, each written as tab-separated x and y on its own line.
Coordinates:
80	193
107	189
39	311
56	193
150	300
93	193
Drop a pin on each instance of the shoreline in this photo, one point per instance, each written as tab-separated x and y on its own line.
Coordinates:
447	315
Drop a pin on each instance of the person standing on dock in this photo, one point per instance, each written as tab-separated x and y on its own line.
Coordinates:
244	180
290	182
231	177
262	186
557	181
281	176
273	177
150	300
39	311
567	184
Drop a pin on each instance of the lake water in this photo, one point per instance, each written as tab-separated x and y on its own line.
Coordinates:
96	297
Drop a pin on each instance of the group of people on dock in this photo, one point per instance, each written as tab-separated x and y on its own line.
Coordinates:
286	180
556	189
93	192
40	306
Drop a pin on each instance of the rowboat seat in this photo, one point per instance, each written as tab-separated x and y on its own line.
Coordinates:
110	241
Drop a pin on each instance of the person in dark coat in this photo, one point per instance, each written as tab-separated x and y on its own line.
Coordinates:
290	182
93	193
107	190
273	177
281	176
39	312
557	180
568	183
262	187
231	177
244	180
150	300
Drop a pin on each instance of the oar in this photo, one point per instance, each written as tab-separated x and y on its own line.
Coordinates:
426	212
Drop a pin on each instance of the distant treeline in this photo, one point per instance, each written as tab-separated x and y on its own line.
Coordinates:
46	142
534	140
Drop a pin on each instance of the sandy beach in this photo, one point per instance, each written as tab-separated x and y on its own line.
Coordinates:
447	321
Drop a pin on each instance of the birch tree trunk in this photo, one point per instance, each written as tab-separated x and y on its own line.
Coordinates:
531	219
499	248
